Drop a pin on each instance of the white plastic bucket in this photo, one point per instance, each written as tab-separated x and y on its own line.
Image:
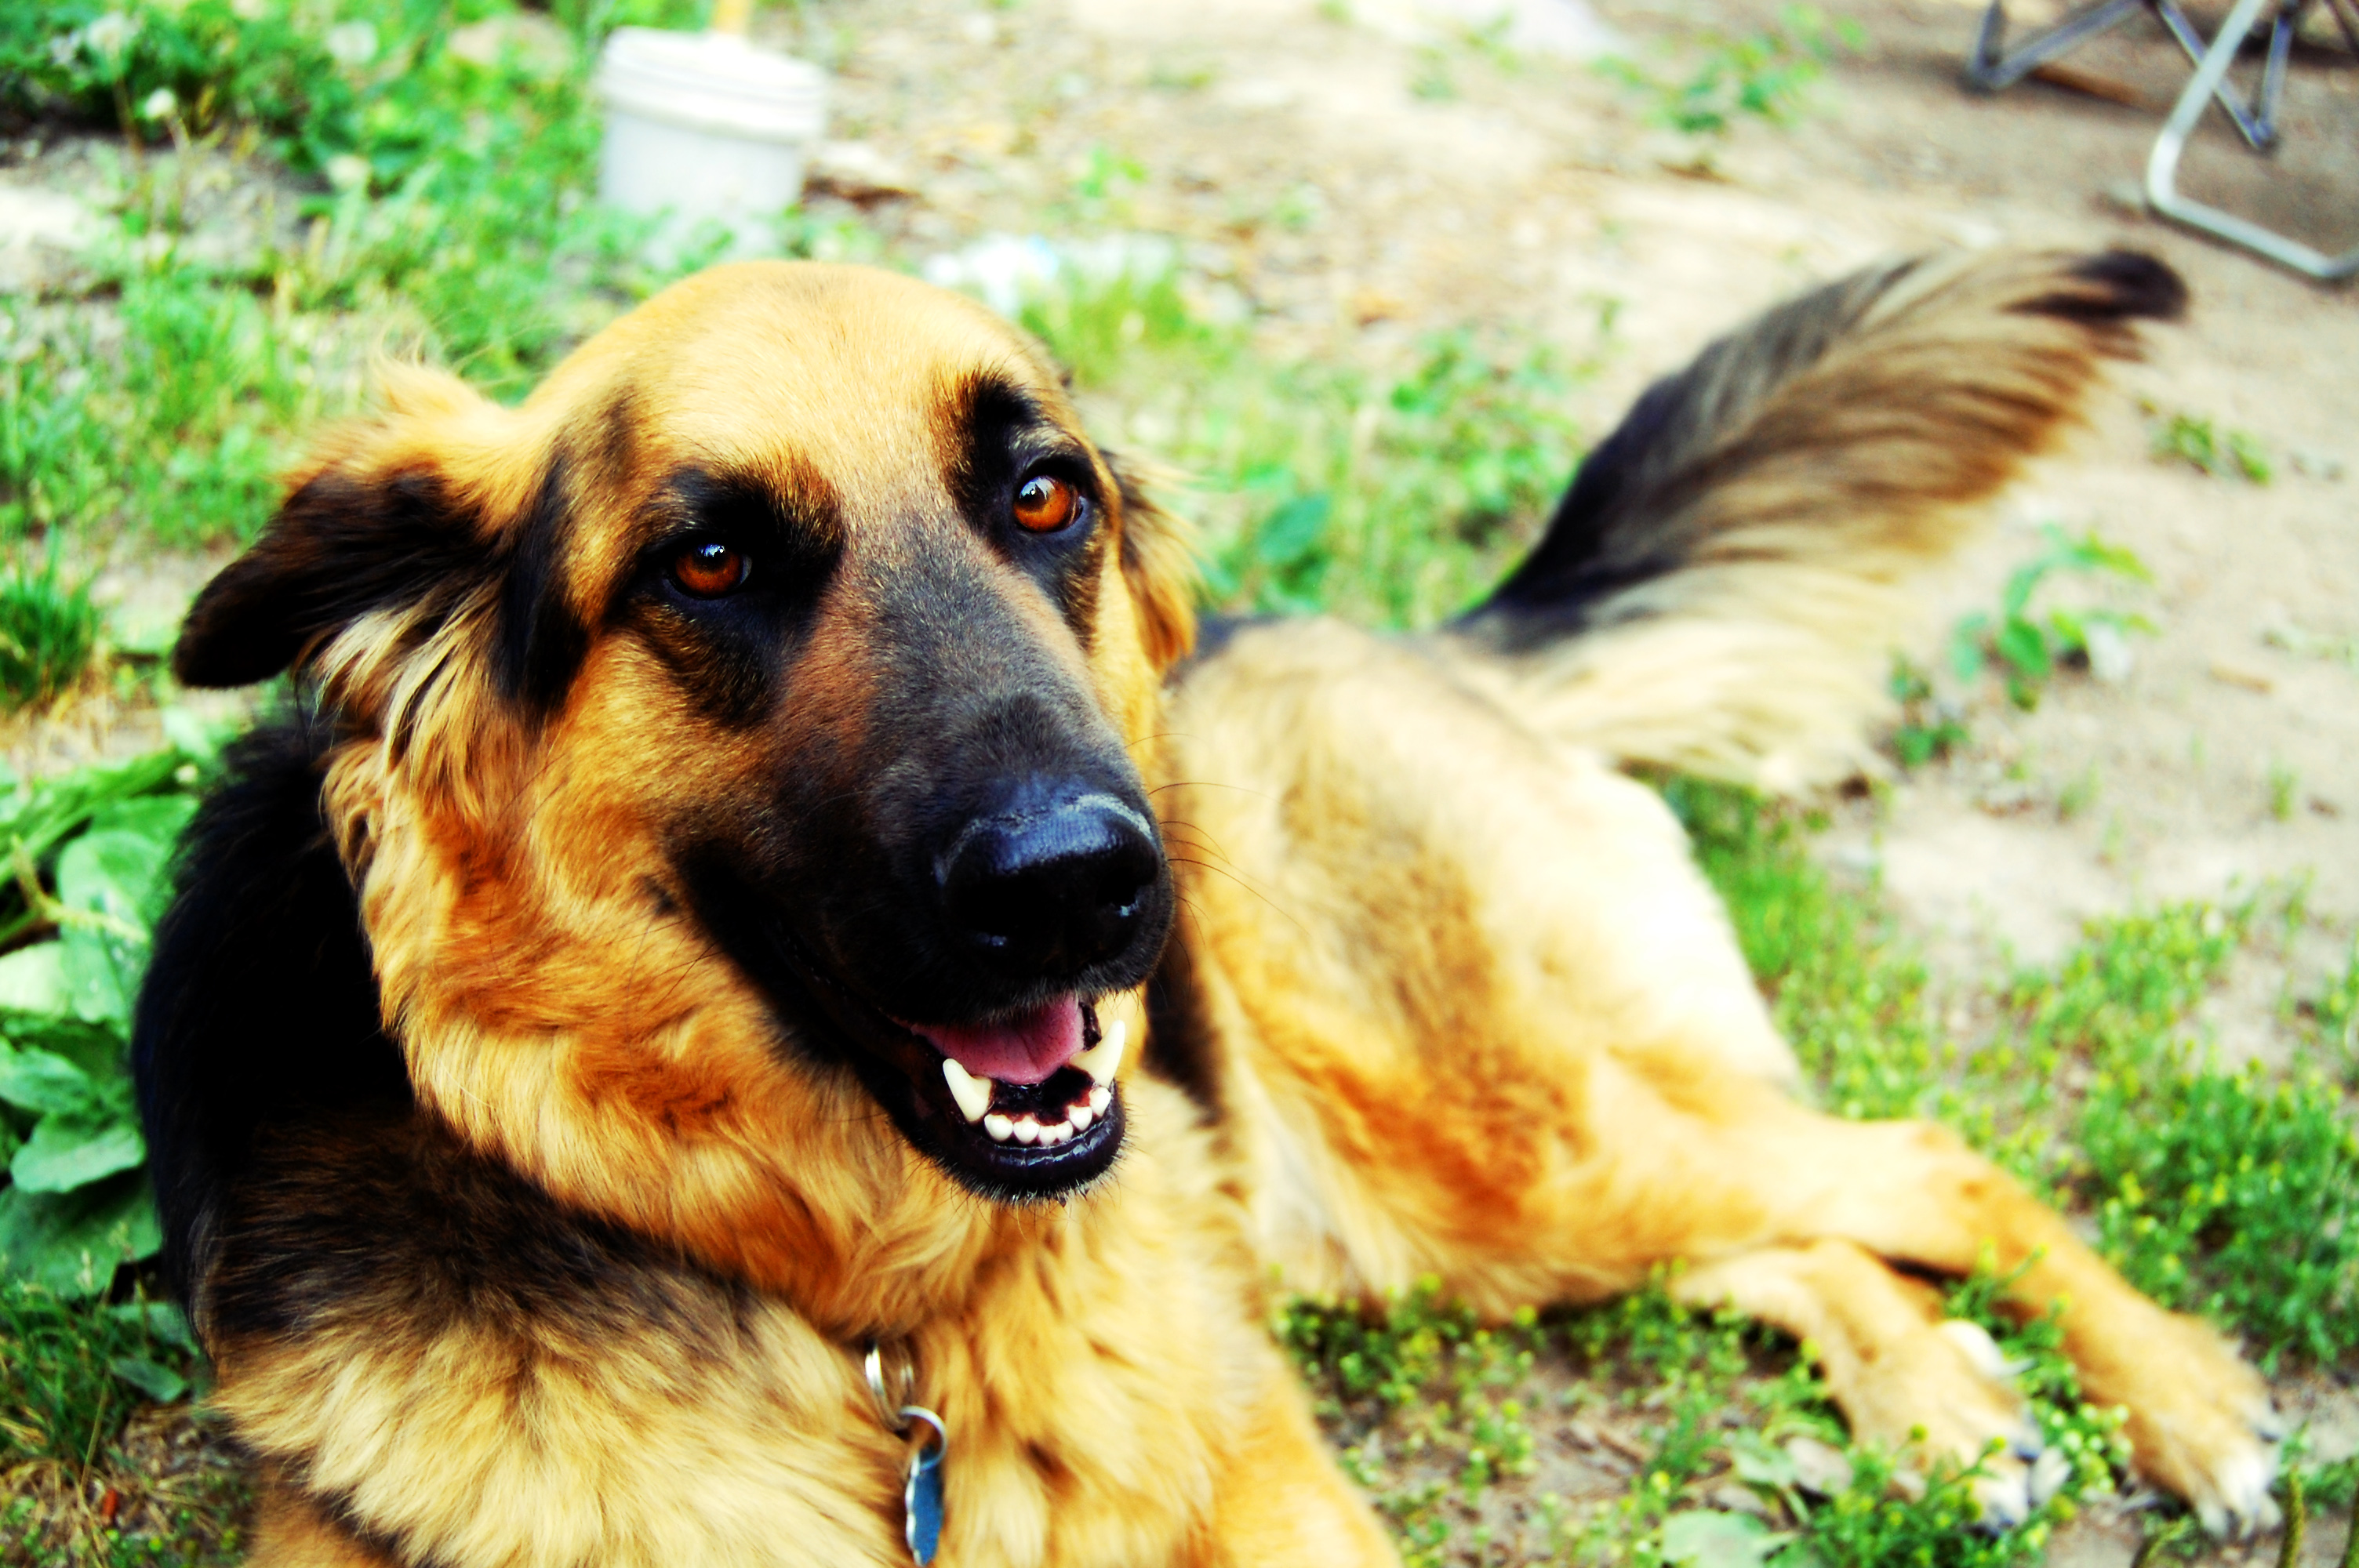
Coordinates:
705	127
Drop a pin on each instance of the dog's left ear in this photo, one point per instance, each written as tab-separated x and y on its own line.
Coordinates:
1159	564
412	507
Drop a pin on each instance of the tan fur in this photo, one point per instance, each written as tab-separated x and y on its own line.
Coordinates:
1472	1011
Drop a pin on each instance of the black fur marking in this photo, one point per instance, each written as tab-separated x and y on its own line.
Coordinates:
541	641
388	1227
988	415
610	442
1002	437
1213	635
730	654
1182	1047
2136	285
260	1009
339	548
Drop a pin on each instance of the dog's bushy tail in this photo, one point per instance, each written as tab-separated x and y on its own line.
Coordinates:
1720	590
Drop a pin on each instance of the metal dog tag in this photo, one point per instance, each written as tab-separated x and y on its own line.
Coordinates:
921	1494
922	1498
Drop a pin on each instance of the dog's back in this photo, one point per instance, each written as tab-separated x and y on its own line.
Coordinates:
1482	1018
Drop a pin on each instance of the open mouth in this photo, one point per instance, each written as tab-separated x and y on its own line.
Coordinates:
1016	1106
1038	1080
1020	1108
1026	1107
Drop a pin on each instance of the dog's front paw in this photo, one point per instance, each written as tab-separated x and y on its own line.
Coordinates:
2200	1423
1944	1395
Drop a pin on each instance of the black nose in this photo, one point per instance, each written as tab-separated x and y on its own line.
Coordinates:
1053	890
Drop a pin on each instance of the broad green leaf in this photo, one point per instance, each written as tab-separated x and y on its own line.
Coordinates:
102	973
45	1082
94	1048
2020	643
66	1152
118	871
159	1382
55	807
1760	1463
1966	646
72	1242
1707	1540
33	979
164	1321
117	876
159	818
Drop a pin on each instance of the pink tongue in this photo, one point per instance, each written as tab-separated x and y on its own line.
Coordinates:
1024	1050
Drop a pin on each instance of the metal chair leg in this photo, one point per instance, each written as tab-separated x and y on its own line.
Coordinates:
2162	163
1991	67
2256	124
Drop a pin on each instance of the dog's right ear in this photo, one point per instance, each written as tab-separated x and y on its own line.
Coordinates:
386	510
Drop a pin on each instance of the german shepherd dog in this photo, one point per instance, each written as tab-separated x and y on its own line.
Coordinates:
762	866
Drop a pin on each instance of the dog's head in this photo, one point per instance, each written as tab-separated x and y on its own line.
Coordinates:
781	668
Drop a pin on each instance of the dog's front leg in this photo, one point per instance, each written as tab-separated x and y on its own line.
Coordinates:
2200	1419
1282	1501
1904	1378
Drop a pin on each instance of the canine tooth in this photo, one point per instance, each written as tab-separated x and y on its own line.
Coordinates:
999	1125
1080	1117
972	1094
1027	1131
1100	1098
1101	1059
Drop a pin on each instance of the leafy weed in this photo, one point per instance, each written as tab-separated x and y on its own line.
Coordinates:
2186	439
49	637
1766	76
2025	649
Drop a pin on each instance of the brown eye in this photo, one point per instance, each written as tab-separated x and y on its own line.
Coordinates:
1044	504
710	570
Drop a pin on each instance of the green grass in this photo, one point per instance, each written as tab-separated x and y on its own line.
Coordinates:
1393	492
1713	80
49	637
2231	1192
1441	1417
77	1368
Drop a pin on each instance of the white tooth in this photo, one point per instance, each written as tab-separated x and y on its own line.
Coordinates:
1081	1116
1101	1059
1027	1131
1100	1098
1054	1135
999	1125
972	1094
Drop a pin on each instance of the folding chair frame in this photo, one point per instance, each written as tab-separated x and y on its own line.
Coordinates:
1993	67
2210	79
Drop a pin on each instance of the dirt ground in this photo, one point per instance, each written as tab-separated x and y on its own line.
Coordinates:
1360	182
